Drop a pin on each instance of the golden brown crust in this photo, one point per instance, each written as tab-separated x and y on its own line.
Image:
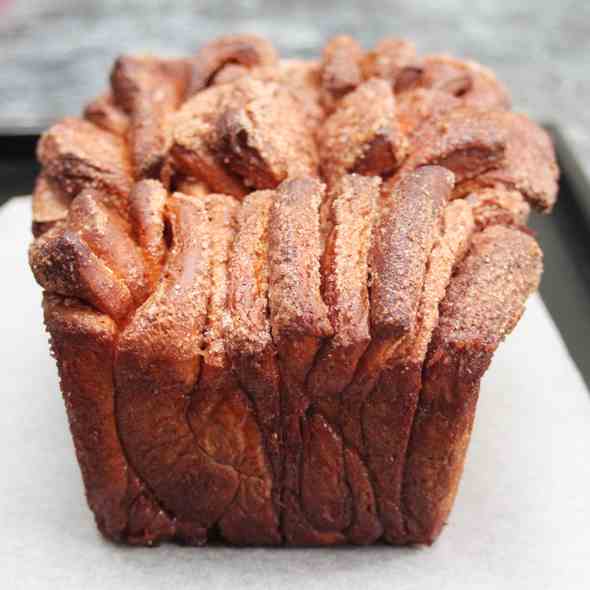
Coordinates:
388	413
466	141
403	241
64	264
483	303
49	206
83	342
229	50
498	206
362	135
345	283
157	365
103	112
340	69
76	154
194	134
248	333
146	212
149	90
262	136
529	165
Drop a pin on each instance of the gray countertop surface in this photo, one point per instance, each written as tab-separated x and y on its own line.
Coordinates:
55	55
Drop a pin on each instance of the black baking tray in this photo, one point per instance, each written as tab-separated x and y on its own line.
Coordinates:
564	236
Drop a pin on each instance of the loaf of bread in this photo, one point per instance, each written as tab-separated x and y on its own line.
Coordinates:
272	286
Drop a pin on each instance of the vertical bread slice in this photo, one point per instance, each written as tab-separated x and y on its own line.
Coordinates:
484	301
299	322
83	342
345	270
147	202
389	410
158	361
404	237
218	401
249	344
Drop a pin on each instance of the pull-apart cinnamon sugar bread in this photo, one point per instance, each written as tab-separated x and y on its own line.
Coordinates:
273	286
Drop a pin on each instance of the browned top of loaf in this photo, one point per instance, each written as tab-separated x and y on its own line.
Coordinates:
295	242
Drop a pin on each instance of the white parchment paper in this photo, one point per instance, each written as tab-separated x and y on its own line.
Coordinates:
521	520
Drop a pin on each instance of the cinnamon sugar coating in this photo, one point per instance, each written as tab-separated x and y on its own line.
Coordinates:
272	286
393	60
466	141
345	270
104	113
404	235
50	205
63	263
193	137
261	135
109	237
498	206
529	166
247	333
244	51
149	90
389	410
419	105
474	84
363	134
341	69
296	305
301	79
247	132
147	203
76	154
154	382
403	242
483	304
